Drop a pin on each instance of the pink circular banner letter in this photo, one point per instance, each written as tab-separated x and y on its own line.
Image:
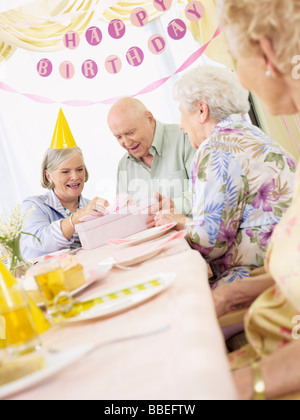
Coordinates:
157	44
116	29
113	64
72	40
44	67
93	36
194	11
135	56
67	70
177	29
162	5
89	69
139	17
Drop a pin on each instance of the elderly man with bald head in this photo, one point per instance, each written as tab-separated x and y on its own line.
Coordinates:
158	159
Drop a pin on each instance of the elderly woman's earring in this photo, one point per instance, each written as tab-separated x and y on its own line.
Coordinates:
51	184
269	74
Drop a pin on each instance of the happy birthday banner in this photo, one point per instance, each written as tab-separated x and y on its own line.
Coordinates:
139	18
177	29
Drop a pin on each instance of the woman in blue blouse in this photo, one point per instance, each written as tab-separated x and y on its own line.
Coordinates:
57	212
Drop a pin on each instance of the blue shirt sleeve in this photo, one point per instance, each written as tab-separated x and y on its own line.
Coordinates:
43	225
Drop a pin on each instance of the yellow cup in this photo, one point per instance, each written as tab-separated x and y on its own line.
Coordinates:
20	333
50	279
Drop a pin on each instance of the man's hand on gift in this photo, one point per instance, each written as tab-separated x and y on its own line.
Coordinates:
164	212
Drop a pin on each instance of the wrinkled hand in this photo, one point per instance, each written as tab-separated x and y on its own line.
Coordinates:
243	379
164	212
222	304
164	218
164	203
97	207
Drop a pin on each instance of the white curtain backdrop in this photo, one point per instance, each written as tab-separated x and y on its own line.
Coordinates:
26	127
12	4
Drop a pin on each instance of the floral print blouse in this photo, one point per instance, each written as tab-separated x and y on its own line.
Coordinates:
242	184
273	320
283	258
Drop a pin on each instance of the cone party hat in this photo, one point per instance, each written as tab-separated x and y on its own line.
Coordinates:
7	281
2	328
63	137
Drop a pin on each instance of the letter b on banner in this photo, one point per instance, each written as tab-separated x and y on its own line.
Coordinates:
44	67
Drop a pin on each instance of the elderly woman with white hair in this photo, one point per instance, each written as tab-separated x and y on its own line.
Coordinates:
242	181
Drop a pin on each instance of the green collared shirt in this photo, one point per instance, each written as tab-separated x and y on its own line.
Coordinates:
170	172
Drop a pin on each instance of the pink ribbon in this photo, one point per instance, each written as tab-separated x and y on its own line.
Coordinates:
289	129
150	88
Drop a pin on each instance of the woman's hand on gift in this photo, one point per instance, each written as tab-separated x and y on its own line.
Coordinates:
97	207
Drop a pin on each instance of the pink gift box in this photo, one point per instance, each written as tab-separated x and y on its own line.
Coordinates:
129	221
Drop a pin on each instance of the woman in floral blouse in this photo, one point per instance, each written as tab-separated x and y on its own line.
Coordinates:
242	181
264	39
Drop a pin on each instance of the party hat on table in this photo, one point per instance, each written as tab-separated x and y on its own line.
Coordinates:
63	137
7	281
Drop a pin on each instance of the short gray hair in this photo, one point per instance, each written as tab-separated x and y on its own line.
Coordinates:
219	88
54	158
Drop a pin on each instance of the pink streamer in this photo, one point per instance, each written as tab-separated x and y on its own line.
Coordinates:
150	88
289	129
3	86
297	121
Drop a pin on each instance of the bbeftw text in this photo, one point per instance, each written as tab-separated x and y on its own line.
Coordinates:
151	409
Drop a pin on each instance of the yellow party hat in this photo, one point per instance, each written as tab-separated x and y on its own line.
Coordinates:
63	137
2	328
7	280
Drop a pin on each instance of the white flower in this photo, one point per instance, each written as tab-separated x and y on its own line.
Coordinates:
12	228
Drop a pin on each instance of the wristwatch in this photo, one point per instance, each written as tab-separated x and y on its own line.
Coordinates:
259	393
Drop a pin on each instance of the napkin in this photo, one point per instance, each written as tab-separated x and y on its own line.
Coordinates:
139	250
147	235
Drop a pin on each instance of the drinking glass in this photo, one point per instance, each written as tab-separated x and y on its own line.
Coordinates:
49	277
21	335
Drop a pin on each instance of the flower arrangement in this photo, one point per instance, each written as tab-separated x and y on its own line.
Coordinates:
10	235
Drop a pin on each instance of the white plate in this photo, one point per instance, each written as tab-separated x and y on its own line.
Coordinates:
54	254
122	301
146	235
131	256
54	364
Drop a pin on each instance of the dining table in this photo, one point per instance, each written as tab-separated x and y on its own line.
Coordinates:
169	347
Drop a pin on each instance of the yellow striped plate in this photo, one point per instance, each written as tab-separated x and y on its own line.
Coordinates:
119	300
